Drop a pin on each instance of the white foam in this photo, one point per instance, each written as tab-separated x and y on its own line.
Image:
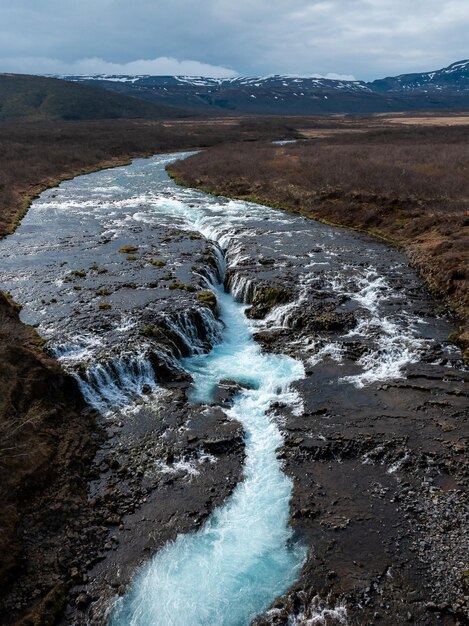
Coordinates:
398	346
316	613
333	350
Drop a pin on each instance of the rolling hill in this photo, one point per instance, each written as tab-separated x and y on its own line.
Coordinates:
36	98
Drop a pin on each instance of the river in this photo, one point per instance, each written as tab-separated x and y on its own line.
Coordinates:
82	265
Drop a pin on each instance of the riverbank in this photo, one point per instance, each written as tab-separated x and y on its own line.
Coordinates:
48	444
407	186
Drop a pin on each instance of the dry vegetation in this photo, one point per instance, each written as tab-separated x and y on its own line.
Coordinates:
409	185
39	155
437	120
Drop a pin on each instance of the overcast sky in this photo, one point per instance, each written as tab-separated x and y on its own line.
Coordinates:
362	38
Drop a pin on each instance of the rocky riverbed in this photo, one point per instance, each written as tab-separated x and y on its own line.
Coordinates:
378	454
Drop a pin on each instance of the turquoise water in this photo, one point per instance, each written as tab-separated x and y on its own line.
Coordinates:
242	559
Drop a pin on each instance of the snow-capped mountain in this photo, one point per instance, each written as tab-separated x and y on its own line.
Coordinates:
254	94
255	82
453	78
445	88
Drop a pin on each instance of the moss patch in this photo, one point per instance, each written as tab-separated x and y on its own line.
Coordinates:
207	298
103	292
271	296
128	249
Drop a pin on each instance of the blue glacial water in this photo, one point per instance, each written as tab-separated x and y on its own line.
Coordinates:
243	558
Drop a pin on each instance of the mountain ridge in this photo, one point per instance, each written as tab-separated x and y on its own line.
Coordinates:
296	95
111	96
456	73
455	76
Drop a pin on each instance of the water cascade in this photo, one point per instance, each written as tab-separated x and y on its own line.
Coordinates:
242	559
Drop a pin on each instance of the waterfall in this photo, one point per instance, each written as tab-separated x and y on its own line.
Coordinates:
110	384
241	287
115	384
243	558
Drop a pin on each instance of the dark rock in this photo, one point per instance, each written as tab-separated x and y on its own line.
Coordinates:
226	390
220	445
265	298
332	322
83	600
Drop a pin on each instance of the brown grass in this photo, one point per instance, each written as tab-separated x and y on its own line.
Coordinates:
319	133
409	186
444	120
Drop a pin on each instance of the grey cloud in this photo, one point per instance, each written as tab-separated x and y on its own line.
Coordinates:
366	38
162	66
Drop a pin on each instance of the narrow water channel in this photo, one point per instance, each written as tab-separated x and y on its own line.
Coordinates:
241	560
